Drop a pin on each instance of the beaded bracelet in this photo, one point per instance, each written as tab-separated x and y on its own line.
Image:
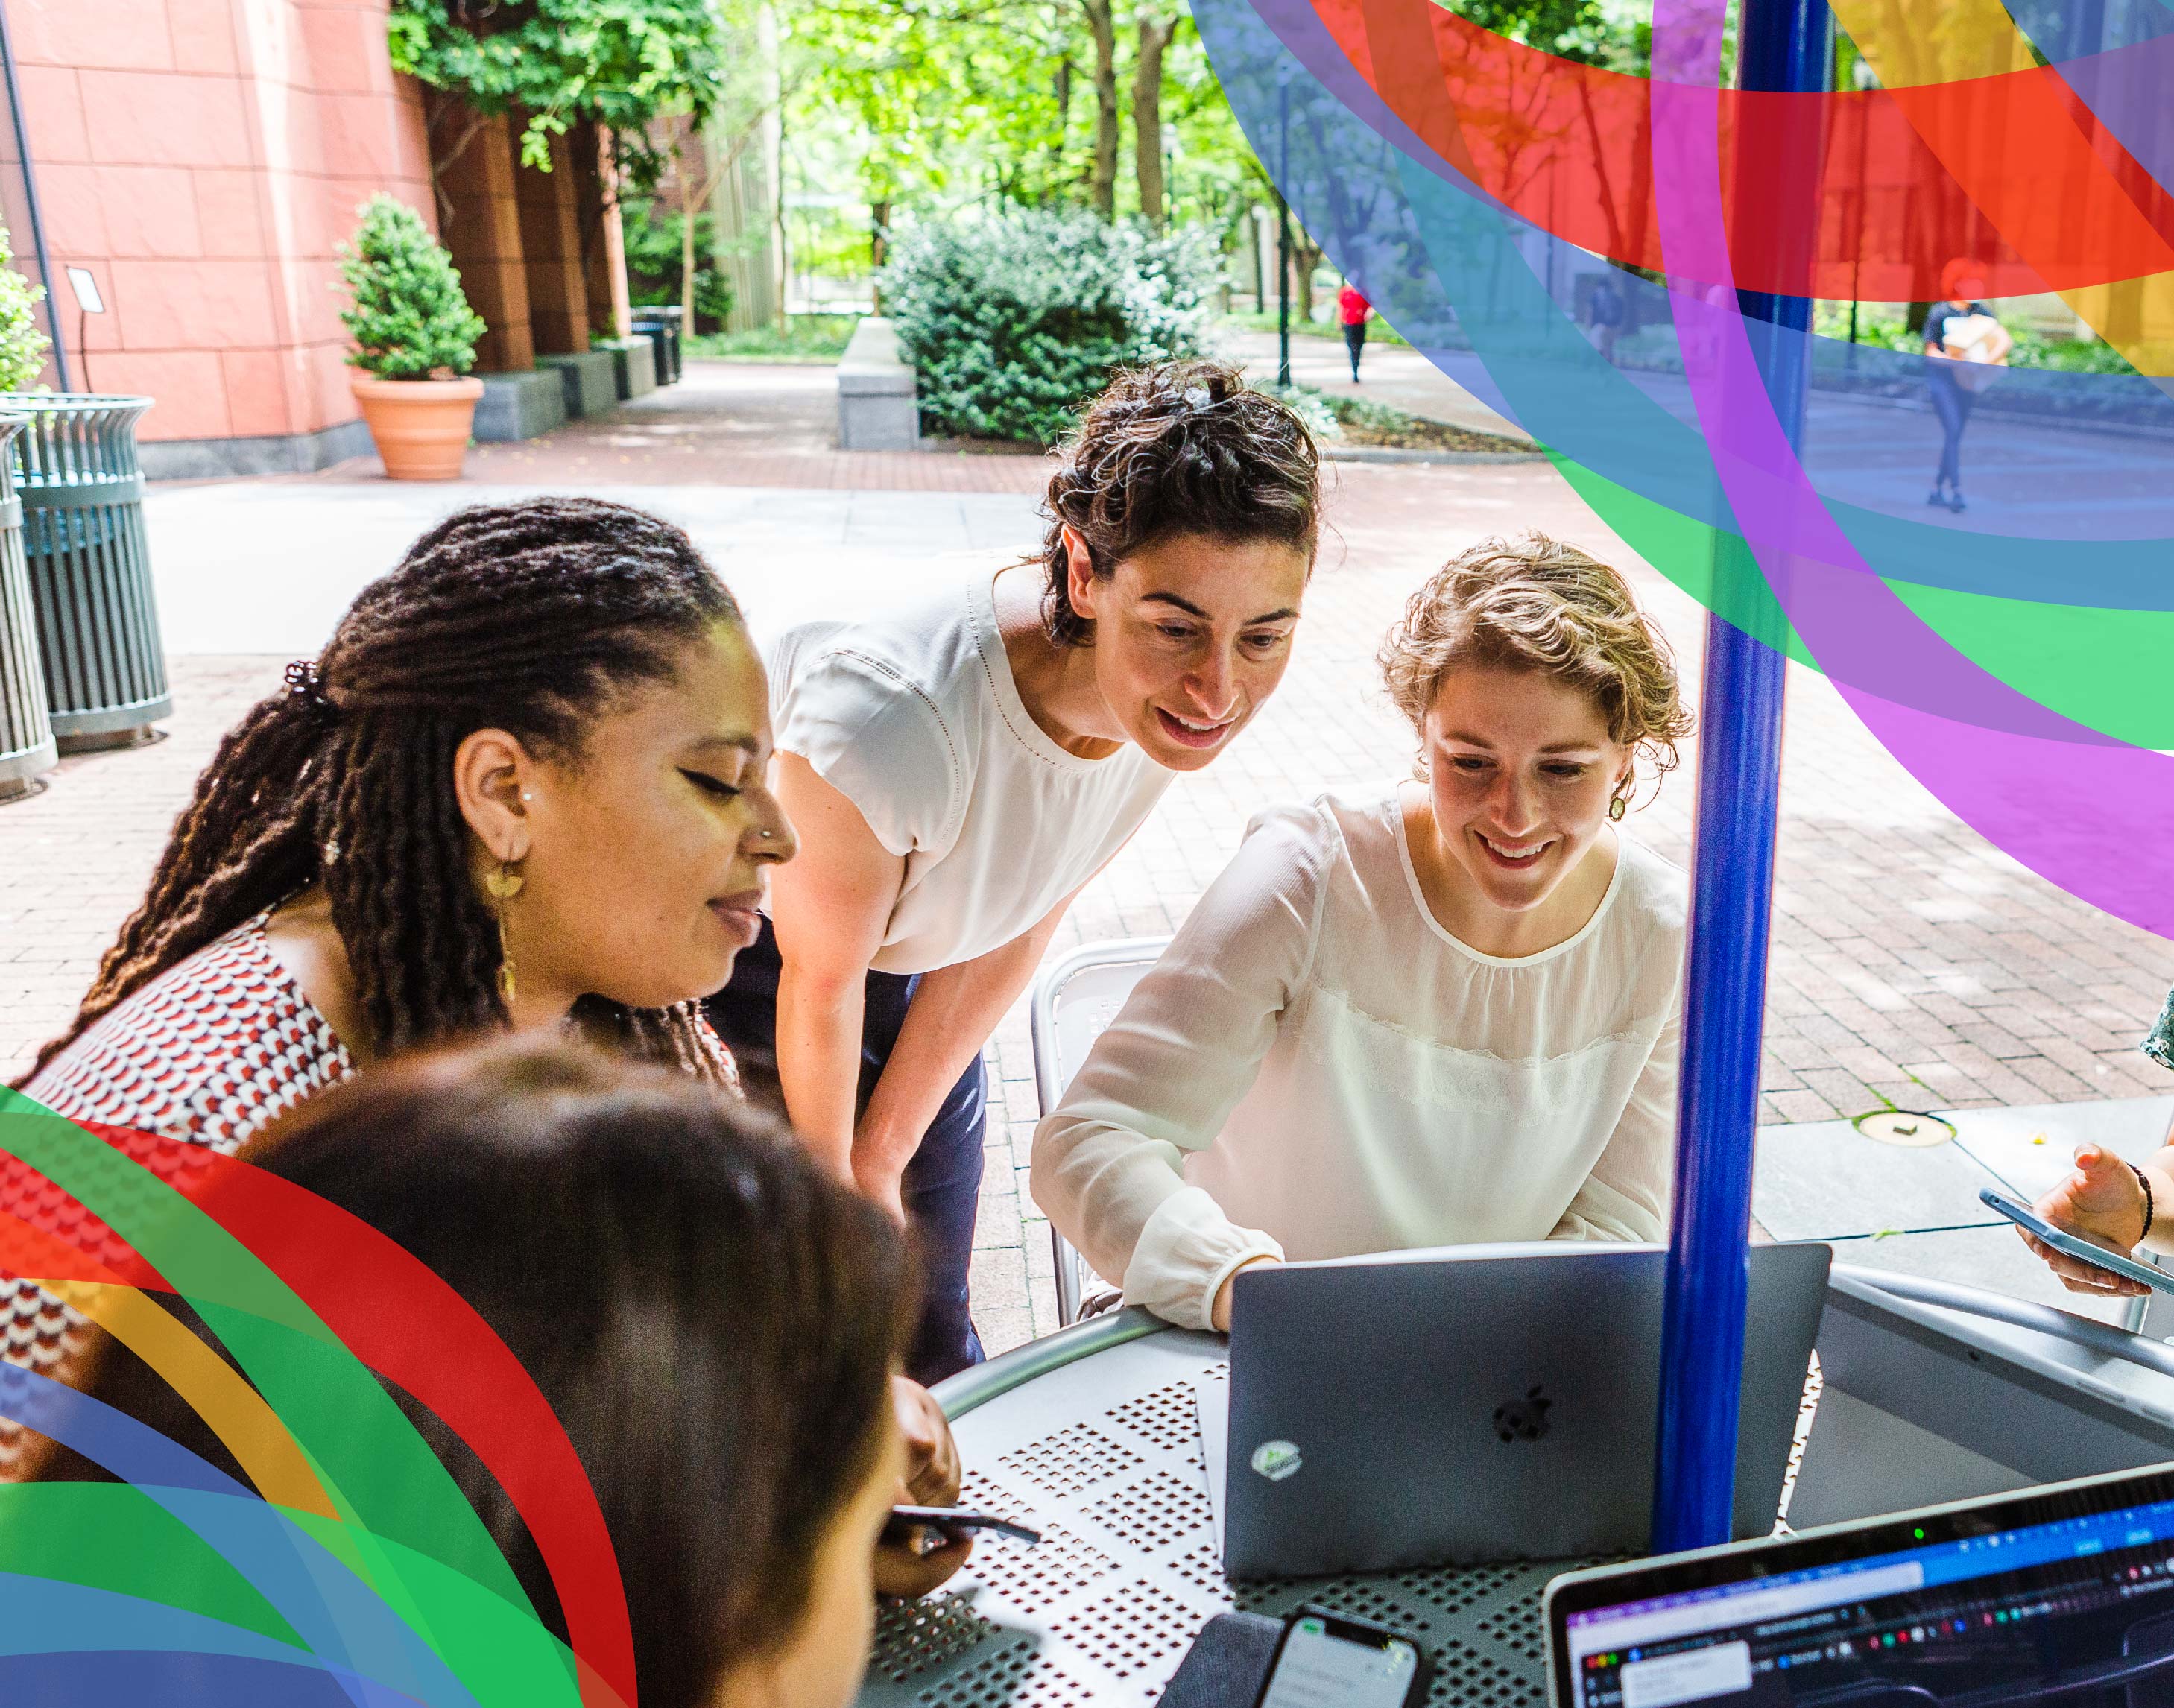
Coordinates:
2144	1181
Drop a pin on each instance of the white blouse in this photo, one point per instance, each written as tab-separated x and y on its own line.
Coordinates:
913	716
1315	1068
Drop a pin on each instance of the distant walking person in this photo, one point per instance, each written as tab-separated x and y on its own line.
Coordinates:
1352	308
1603	311
1963	344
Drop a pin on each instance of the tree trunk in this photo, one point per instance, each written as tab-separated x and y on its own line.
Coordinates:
1063	92
1147	115
1102	186
1306	255
689	206
878	247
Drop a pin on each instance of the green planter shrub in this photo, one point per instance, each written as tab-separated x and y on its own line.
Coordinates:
410	319
23	347
1013	322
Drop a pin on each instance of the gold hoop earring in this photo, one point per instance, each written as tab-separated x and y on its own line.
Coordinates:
504	884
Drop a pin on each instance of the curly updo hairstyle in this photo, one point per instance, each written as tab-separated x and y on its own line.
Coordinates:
1181	448
1536	603
530	618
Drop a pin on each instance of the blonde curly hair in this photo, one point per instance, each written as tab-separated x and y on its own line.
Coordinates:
1536	603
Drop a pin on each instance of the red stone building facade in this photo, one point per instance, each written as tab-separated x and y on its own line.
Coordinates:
201	159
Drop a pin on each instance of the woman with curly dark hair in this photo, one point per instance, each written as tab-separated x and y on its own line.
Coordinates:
524	788
962	766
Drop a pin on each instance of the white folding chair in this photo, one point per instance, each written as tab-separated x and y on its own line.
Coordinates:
1072	1002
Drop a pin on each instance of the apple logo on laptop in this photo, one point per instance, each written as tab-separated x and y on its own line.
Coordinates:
1524	1420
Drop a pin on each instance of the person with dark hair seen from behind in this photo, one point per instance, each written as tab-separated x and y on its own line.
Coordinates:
1964	345
714	1322
962	766
1352	309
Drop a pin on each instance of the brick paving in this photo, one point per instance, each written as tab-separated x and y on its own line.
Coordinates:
1914	964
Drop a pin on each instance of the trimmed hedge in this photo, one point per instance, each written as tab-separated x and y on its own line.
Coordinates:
410	318
1013	322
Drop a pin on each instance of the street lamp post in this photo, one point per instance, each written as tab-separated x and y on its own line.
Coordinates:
1283	234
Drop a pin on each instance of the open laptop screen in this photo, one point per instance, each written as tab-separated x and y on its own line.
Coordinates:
2063	1592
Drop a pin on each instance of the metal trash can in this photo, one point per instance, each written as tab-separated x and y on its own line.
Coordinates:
661	325
26	729
82	493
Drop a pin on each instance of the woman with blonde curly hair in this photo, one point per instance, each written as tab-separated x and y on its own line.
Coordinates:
1431	1012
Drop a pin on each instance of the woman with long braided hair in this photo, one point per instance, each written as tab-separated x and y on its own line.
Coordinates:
524	788
523	784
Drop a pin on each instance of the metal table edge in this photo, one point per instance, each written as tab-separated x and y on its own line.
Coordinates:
976	1386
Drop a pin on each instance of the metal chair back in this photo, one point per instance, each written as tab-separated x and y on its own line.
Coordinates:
1073	1001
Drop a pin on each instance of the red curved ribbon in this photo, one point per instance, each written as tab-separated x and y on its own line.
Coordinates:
2011	170
394	1314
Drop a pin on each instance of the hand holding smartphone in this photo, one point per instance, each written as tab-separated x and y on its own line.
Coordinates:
924	1529
2074	1244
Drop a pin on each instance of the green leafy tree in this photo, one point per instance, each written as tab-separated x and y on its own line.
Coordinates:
618	64
656	252
409	318
1013	322
23	347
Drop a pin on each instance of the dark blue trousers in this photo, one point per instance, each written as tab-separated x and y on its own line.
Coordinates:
1952	404
942	1183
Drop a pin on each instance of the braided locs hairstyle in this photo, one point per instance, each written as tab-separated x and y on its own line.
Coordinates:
525	617
1183	448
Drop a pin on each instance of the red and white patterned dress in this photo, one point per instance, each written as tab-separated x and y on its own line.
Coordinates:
212	1050
215	1048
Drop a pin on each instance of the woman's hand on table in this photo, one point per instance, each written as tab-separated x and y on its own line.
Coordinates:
1219	1317
931	1479
2102	1201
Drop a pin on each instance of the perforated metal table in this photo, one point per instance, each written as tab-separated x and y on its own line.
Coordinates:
1933	1392
1092	1437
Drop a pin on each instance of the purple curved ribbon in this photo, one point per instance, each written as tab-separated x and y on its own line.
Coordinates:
2092	814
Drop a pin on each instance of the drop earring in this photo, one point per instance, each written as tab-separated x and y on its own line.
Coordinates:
504	884
1619	804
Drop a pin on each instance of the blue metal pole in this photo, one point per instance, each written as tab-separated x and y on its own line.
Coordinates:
1784	45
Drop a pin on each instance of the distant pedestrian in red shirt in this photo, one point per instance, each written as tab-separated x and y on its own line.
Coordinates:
1352	308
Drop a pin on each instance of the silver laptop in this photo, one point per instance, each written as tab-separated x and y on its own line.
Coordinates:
1477	1402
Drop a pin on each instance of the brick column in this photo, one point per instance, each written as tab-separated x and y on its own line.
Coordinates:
483	229
551	246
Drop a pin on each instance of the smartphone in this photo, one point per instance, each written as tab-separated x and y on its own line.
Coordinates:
1326	1660
951	1523
2074	1244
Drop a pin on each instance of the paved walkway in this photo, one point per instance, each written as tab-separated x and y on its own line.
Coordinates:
2025	475
1913	963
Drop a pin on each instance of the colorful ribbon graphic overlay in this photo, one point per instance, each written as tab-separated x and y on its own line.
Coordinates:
2014	658
355	1570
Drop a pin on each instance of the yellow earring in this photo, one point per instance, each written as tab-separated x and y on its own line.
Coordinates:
504	884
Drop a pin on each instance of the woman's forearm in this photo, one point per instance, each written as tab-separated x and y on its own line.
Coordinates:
954	1011
818	1060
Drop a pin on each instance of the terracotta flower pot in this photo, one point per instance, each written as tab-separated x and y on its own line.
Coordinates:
421	426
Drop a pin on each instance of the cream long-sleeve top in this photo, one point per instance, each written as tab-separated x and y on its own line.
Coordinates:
1317	1068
